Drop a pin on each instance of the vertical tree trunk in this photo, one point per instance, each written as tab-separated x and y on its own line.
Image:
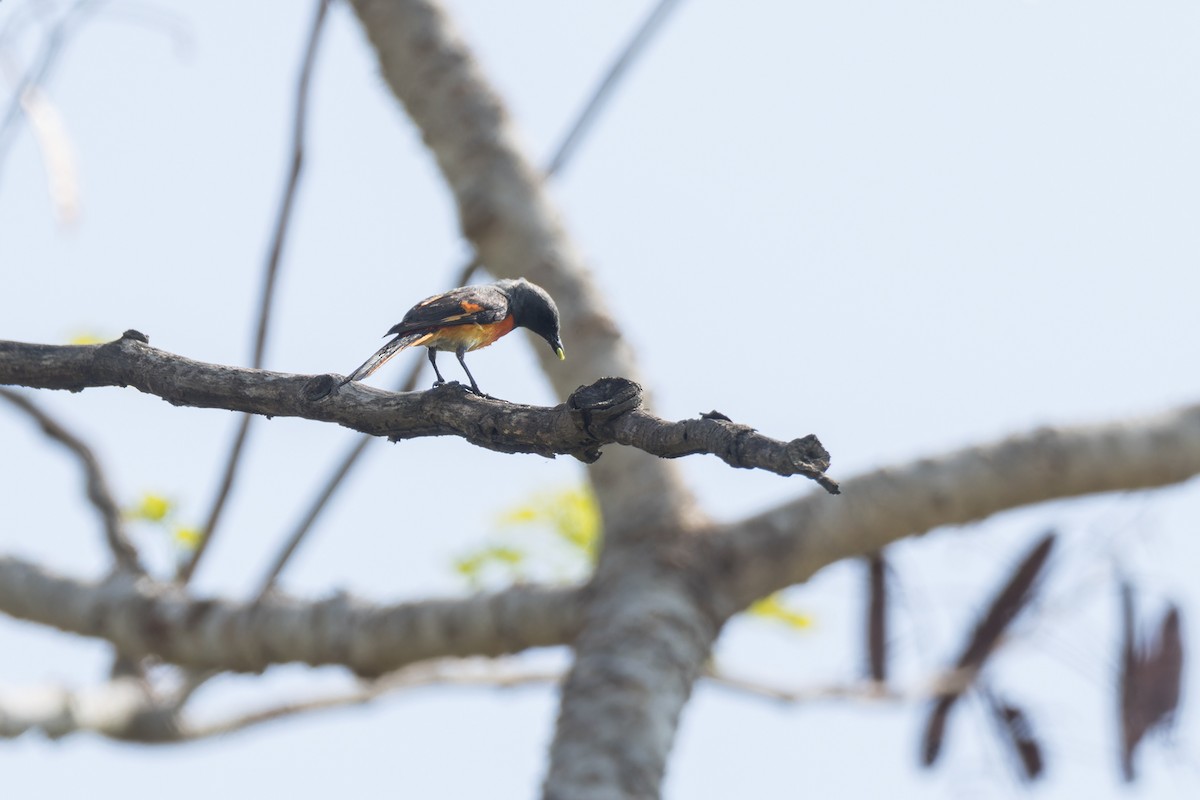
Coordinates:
645	636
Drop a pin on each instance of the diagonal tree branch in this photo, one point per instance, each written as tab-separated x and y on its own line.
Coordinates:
319	502
790	543
98	493
606	412
604	90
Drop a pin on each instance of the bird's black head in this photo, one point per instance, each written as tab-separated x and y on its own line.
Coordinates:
533	308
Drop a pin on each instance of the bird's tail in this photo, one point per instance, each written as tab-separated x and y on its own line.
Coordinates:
381	357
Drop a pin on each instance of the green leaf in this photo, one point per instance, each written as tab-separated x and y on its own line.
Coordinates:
552	536
151	508
572	515
476	565
187	538
89	337
772	607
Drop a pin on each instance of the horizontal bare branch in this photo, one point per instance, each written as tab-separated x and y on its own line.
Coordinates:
608	411
124	709
145	618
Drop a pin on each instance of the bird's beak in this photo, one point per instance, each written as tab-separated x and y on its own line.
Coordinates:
558	351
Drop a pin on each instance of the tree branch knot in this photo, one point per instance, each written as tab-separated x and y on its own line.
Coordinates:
600	403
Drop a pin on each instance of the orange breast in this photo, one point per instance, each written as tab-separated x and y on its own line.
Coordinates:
472	337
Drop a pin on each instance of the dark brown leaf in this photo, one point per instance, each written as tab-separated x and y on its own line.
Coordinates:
877	617
1017	732
1151	678
1013	597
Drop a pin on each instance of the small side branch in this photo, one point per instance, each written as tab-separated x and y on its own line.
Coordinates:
98	493
270	275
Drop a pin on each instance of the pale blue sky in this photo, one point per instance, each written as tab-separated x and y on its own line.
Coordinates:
905	227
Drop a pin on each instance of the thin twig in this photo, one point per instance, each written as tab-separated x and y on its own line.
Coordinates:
98	492
124	703
339	474
282	222
563	154
506	673
487	673
289	193
343	469
600	95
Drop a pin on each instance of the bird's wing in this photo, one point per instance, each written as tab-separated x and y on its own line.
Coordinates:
470	305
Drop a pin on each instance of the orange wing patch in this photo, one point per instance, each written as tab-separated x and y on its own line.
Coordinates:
470	307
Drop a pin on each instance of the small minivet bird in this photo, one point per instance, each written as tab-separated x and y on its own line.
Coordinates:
469	318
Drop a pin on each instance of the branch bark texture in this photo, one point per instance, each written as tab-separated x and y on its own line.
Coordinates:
608	411
145	618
